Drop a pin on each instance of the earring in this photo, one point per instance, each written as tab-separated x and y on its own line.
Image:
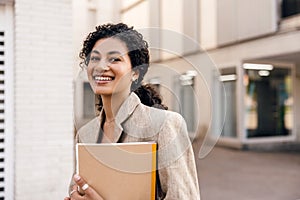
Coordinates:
136	81
133	79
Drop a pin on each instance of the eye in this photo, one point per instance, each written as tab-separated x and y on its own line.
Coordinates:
114	59
95	59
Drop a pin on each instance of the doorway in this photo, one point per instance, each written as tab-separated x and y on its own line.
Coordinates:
268	100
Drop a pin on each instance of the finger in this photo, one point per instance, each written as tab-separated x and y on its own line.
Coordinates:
84	187
73	191
75	195
74	187
88	191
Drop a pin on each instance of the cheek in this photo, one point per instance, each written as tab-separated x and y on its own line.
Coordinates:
121	71
126	76
89	72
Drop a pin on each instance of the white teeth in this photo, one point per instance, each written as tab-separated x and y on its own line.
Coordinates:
103	78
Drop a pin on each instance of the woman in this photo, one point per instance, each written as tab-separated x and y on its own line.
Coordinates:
116	58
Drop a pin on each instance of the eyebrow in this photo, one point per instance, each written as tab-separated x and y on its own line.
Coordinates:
95	51
114	52
109	53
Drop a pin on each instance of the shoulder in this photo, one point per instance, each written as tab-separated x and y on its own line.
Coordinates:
165	117
159	119
173	125
151	121
157	115
89	131
144	108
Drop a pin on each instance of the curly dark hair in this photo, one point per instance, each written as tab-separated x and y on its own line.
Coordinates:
150	96
137	51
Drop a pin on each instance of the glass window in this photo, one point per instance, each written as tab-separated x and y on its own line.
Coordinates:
268	101
187	105
290	7
187	99
228	78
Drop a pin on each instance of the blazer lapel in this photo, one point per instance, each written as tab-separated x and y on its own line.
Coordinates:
124	113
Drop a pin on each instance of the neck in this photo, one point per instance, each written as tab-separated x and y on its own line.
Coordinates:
111	105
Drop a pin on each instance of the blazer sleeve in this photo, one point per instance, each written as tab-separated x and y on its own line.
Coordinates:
72	183
176	161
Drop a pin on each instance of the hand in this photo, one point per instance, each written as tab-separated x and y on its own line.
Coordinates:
89	192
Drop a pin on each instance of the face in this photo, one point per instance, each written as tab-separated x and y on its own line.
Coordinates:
109	69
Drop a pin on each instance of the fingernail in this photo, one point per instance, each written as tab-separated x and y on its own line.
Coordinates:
77	177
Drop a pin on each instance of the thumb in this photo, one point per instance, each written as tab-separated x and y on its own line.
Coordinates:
83	186
85	189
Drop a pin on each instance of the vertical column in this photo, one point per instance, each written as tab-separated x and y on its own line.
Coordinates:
43	98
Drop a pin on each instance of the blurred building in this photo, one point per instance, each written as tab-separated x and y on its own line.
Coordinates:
247	62
36	99
231	68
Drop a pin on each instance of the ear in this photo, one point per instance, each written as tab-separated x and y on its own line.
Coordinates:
135	74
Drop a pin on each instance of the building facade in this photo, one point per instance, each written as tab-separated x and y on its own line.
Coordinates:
231	68
36	97
256	48
247	62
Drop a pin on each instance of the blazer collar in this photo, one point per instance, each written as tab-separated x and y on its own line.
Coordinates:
125	111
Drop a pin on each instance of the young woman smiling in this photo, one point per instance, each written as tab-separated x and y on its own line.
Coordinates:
116	58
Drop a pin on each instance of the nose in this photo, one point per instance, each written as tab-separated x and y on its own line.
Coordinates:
102	65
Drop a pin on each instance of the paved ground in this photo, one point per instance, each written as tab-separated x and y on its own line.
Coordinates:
229	174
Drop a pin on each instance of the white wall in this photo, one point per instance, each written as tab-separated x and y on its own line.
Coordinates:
242	19
264	47
143	11
43	98
223	22
208	25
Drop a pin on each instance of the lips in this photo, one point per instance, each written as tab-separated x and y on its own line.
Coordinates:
103	78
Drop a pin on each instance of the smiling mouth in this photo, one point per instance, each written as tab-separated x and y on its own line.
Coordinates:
103	78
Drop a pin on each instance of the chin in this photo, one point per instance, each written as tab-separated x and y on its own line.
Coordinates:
104	93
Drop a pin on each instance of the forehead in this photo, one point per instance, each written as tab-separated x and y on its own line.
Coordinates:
107	45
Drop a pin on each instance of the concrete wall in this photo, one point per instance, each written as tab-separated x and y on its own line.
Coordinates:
43	98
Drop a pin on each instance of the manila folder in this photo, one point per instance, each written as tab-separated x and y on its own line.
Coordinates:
119	170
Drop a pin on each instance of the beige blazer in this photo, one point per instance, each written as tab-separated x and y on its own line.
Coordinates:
136	122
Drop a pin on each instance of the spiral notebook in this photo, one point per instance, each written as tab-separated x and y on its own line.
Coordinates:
117	171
